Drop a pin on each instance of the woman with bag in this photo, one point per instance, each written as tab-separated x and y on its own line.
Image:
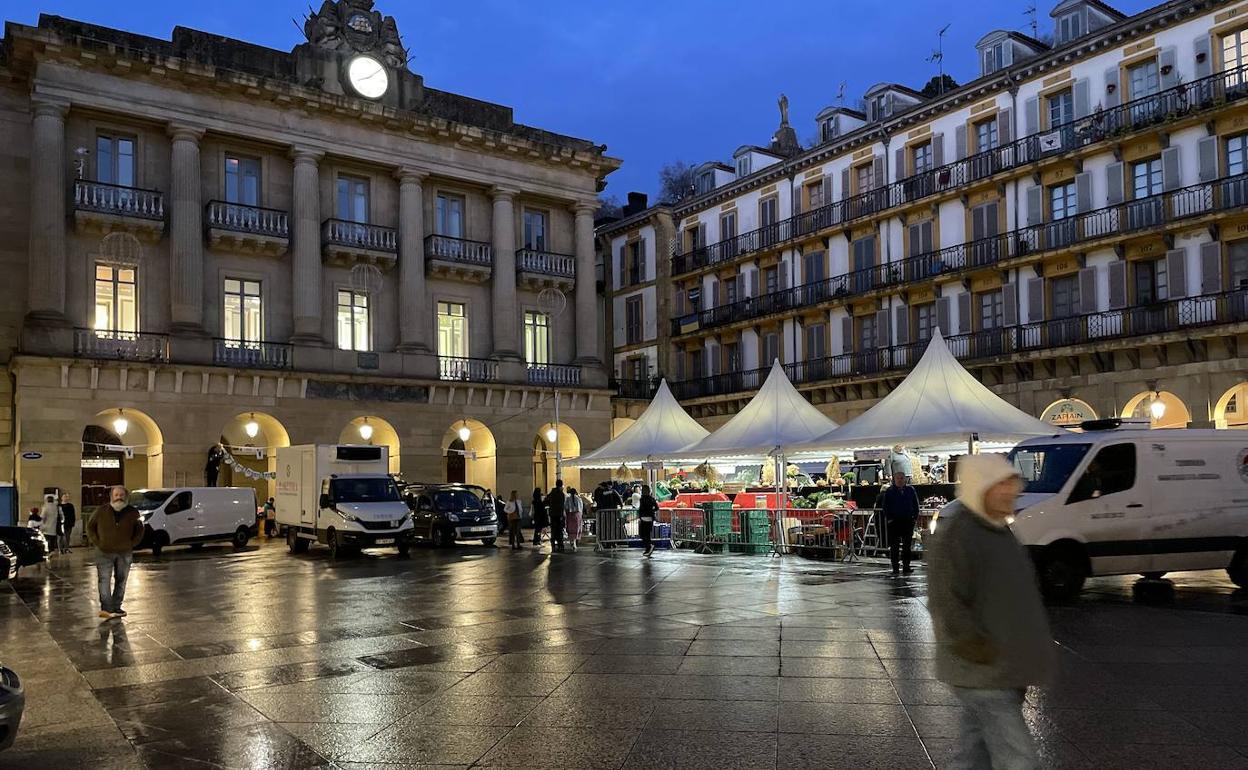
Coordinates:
573	513
513	510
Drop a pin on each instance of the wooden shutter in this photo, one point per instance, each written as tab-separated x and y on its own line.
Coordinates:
680	302
623	274
882	336
959	142
1113	183
701	234
899	161
641	256
1082	98
964	314
796	195
877	167
1207	151
1087	290
1112	77
754	282
1170	176
846	188
847	334
1035	300
1035	205
1031	116
1204	57
920	238
942	316
902	324
1167	64
826	185
1176	272
1005	126
1009	304
784	275
1117	285
1211	267
938	150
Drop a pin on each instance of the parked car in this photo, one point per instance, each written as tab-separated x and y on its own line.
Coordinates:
195	515
30	546
8	562
445	513
12	703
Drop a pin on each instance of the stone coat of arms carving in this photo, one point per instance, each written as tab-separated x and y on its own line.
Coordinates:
353	26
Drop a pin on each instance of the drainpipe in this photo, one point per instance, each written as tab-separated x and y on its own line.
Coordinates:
1014	185
888	244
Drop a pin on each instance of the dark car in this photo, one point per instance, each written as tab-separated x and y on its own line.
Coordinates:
29	544
12	702
445	513
8	562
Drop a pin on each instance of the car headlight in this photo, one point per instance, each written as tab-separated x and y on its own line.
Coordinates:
345	516
452	517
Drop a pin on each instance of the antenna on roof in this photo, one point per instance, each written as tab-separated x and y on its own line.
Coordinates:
840	95
1031	12
938	56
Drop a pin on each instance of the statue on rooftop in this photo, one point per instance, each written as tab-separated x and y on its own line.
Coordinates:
784	110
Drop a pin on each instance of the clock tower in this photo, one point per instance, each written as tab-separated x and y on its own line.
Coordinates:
355	51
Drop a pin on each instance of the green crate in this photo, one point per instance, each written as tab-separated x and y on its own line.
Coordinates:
755	516
750	548
721	521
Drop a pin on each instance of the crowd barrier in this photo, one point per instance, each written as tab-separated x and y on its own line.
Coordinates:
620	528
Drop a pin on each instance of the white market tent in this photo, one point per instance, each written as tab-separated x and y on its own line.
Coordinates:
777	418
939	405
664	428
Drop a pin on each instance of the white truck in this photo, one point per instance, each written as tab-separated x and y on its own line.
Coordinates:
341	495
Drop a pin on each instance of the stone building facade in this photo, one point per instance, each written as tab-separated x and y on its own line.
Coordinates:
1071	220
208	241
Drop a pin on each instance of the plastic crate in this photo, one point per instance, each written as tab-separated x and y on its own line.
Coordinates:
720	520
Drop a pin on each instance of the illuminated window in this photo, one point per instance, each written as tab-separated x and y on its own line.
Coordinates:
353	321
243	319
452	330
536	338
116	299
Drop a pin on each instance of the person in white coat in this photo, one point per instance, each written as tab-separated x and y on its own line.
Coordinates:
50	525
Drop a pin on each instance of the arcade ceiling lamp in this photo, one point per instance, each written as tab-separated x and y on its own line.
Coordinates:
366	430
1157	407
551	434
252	428
464	433
121	424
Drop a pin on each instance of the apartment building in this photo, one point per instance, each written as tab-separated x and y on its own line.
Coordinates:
209	242
1071	220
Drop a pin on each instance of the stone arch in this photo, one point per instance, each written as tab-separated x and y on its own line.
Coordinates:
567	445
1174	413
383	434
139	465
472	443
247	450
1231	410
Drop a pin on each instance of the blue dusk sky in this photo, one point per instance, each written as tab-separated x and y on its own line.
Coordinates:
655	81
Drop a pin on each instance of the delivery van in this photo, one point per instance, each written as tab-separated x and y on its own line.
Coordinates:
1119	499
195	515
341	495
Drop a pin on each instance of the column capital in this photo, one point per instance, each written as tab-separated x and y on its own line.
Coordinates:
302	154
48	106
185	132
499	193
582	208
409	175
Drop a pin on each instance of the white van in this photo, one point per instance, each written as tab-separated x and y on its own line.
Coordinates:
195	515
1117	499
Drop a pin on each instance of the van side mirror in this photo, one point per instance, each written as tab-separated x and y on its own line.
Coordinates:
325	501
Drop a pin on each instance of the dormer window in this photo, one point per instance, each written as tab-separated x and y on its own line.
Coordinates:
705	182
743	166
827	129
877	106
1069	27
994	58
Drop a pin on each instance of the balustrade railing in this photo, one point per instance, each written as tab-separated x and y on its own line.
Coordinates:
554	375
115	199
252	354
467	369
546	263
360	235
240	218
458	250
125	346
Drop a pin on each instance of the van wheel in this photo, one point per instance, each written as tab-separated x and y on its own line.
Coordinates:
1062	571
1152	575
439	538
404	549
294	543
240	538
1238	571
337	549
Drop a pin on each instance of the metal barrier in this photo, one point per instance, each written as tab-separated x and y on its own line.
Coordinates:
620	528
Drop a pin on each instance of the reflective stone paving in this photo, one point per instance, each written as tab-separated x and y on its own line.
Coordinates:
491	658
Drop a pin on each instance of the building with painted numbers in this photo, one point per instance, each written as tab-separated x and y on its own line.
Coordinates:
210	242
1072	220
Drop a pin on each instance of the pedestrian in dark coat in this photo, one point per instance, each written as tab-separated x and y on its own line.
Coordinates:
554	509
900	505
540	521
69	517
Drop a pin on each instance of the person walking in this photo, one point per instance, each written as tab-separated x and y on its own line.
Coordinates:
574	512
992	631
50	523
270	518
115	530
69	518
539	515
555	502
899	504
513	511
647	510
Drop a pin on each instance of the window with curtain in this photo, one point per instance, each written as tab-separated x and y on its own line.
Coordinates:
452	330
353	332
536	338
242	314
352	201
449	217
1235	56
114	160
116	300
986	135
242	180
535	230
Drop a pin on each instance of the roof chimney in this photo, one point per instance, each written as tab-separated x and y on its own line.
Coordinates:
637	202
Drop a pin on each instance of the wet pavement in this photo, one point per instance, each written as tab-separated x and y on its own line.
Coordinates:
493	658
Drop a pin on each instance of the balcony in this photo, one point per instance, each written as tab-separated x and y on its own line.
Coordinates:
1023	340
458	259
121	346
351	243
640	390
536	270
1185	99
101	208
1110	223
467	369
246	354
247	229
554	375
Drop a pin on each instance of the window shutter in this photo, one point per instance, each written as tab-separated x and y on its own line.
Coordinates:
1117	285
1111	78
1082	98
680	366
938	150
1031	116
959	142
1005	126
796	195
845	188
702	234
1009	305
942	316
717	293
1087	290
1176	273
1035	300
899	161
847	334
902	324
888	105
784	275
754	282
1211	267
1035	205
882	336
1167	64
1204	57
641	255
878	168
827	189
623	269
1113	184
1083	192
1170	175
964	313
1207	151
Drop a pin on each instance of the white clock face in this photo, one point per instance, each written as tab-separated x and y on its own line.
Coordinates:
367	77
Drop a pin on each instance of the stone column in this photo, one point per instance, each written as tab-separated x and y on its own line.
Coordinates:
587	352
504	280
186	232
414	316
305	262
47	212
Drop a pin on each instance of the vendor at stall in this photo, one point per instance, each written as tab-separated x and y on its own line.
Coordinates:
899	462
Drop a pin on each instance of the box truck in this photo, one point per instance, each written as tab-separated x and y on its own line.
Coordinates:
341	495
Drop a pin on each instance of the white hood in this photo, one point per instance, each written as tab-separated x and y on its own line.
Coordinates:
979	473
394	509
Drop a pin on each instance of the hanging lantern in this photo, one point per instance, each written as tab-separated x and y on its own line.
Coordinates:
121	424
366	430
464	433
551	435
252	428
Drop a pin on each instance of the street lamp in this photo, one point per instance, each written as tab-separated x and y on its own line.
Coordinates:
465	433
252	427
121	424
1157	408
552	435
366	430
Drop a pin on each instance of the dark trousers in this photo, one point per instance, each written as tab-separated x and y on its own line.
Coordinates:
515	537
900	538
645	528
537	531
556	532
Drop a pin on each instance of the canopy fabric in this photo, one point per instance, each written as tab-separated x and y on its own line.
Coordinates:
661	430
777	418
938	405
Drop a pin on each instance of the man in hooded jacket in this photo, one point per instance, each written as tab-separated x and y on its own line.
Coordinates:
992	631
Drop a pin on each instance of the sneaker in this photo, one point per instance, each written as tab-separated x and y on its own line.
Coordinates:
105	614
